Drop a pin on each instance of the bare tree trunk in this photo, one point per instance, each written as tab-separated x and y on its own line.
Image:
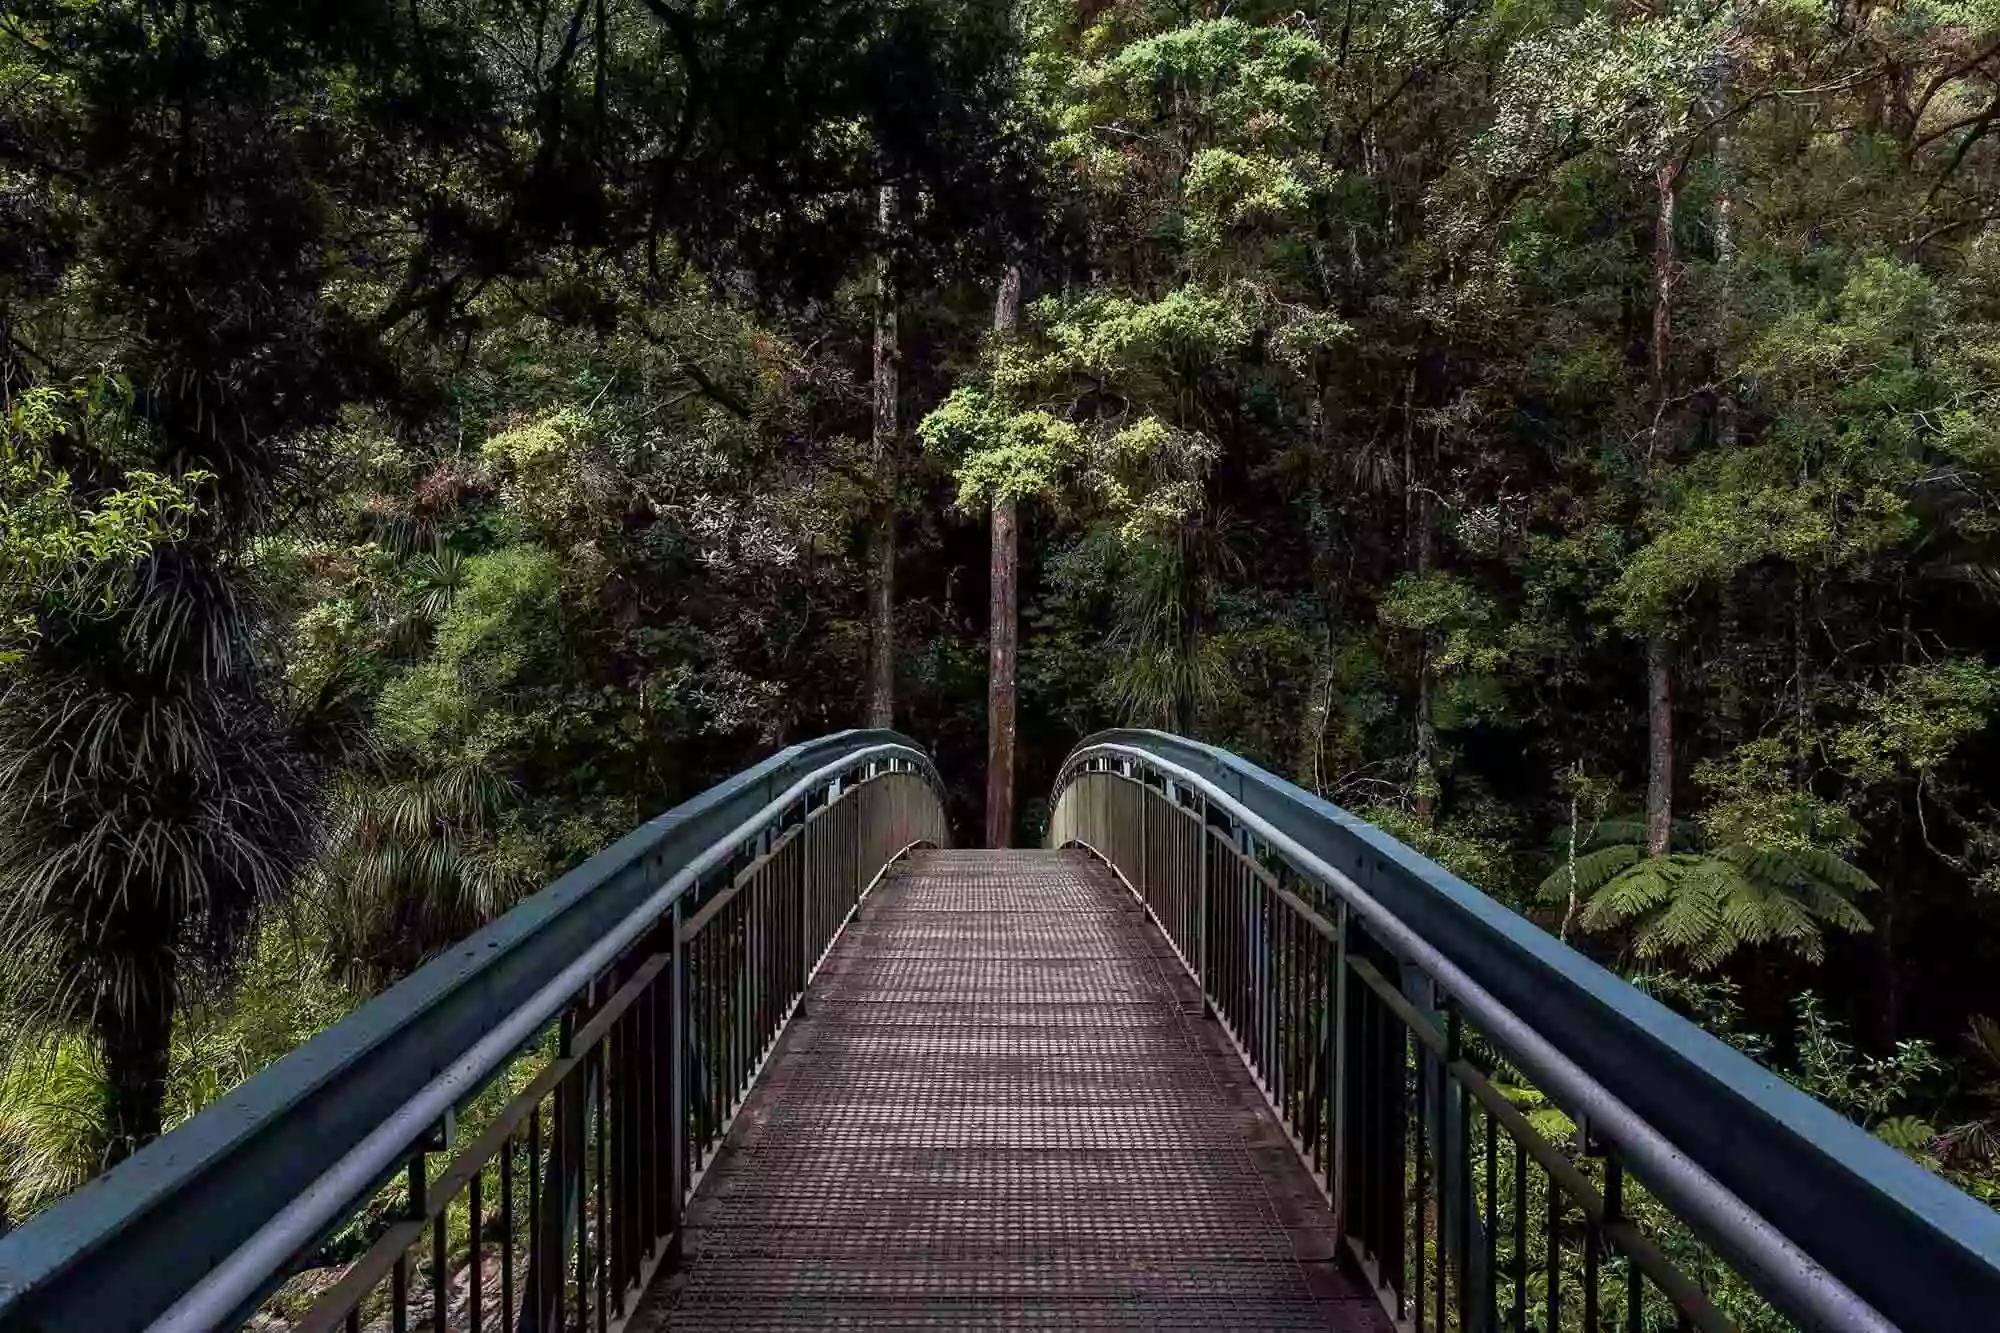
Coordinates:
136	1038
1659	745
1725	260
1575	902
1659	647
1002	637
1003	620
1306	768
882	538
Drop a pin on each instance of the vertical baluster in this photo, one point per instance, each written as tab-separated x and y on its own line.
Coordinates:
708	991
399	1295
1340	1125
475	1265
1262	998
1593	1240
1422	1186
1299	1019
1450	1170
1466	1204
575	1131
1490	1296
1520	1264
538	1265
1364	1149
676	1043
1552	1245
417	1202
619	1173
440	1273
605	1221
1376	1155
507	1235
1203	973
1277	929
1614	1211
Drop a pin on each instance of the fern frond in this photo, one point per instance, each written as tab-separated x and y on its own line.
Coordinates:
1833	908
1908	1133
1690	923
1631	893
1592	872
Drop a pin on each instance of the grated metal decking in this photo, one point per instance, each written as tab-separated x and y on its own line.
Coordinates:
1002	1107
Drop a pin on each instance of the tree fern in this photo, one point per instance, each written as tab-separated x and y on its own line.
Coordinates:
1701	906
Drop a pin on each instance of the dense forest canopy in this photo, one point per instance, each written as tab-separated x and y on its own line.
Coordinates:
441	435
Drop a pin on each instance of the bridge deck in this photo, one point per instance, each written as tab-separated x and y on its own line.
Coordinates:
1003	1108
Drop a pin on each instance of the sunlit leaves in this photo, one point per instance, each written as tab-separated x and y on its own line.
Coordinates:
1915	723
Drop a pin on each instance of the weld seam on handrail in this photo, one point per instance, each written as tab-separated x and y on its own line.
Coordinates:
239	1279
1762	1247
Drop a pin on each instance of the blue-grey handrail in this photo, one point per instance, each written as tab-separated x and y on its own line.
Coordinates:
1923	1254
124	1247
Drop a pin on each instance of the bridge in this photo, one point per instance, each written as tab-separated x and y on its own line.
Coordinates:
1220	1056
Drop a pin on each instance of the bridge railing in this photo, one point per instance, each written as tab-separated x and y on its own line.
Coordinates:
506	1138
1509	1135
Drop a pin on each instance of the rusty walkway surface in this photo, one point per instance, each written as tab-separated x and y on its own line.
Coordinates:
1002	1107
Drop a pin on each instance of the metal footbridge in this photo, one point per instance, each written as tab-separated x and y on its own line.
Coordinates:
1220	1056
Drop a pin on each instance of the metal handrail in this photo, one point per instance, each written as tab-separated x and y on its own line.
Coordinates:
194	1230
1835	1228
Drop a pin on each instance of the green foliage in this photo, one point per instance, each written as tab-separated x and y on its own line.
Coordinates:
413	482
1923	714
1475	849
53	1134
55	541
1700	907
1867	1088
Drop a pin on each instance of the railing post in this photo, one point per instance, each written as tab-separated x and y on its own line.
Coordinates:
1336	1083
677	1107
561	1194
1145	804
1201	908
805	907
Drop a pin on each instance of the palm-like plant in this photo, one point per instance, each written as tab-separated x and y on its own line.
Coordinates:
413	864
152	799
1164	672
1701	901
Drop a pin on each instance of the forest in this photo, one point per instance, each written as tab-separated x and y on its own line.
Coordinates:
442	434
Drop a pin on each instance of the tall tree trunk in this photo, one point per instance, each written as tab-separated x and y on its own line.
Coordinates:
1003	619
1725	262
1668	183
136	1038
1307	766
1659	645
1659	745
882	538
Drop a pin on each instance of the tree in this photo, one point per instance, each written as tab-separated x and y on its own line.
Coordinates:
1003	617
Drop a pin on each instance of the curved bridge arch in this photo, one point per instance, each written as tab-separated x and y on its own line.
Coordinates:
546	1128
